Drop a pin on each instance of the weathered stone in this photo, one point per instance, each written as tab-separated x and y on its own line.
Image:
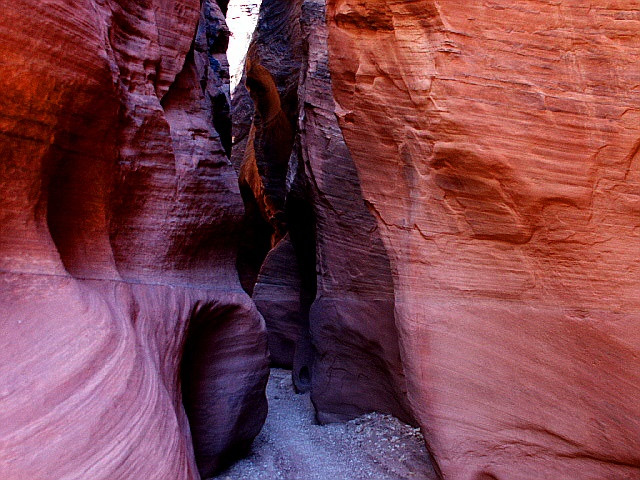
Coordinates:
118	226
347	347
497	147
472	172
357	366
277	297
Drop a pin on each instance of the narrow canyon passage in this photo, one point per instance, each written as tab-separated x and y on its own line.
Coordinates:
293	446
428	209
281	217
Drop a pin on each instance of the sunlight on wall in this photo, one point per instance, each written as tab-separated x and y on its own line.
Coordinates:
242	17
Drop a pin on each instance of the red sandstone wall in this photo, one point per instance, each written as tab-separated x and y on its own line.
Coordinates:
465	177
309	187
118	221
497	147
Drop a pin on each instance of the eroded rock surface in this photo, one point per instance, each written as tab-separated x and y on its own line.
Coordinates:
277	296
471	177
497	147
357	365
118	226
460	186
347	348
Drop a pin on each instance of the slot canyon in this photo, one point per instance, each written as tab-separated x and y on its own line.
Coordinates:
420	216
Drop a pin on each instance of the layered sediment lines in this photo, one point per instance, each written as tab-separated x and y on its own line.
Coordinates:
449	194
309	187
117	226
469	177
496	146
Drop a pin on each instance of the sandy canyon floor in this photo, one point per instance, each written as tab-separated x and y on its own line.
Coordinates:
293	446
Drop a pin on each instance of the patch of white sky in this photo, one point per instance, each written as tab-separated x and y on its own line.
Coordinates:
242	18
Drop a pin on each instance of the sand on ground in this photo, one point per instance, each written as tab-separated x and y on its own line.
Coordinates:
293	446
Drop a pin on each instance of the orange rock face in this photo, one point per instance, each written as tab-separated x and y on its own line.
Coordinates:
459	184
497	146
117	224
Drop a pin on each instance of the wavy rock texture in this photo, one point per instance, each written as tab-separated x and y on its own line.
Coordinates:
265	112
277	296
496	145
357	365
308	185
119	212
468	180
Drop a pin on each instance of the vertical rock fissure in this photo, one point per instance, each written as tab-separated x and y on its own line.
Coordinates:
279	215
210	45
325	287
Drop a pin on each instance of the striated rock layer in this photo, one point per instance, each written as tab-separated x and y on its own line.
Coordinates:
357	366
117	224
496	145
466	180
341	297
277	295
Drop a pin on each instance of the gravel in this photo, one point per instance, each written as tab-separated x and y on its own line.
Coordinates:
293	446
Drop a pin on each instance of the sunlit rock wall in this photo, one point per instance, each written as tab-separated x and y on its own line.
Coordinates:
118	225
467	179
497	148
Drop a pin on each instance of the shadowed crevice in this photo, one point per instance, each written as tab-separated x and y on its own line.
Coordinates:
224	399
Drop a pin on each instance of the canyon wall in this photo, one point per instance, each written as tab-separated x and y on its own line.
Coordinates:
469	178
497	147
129	348
341	316
442	222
